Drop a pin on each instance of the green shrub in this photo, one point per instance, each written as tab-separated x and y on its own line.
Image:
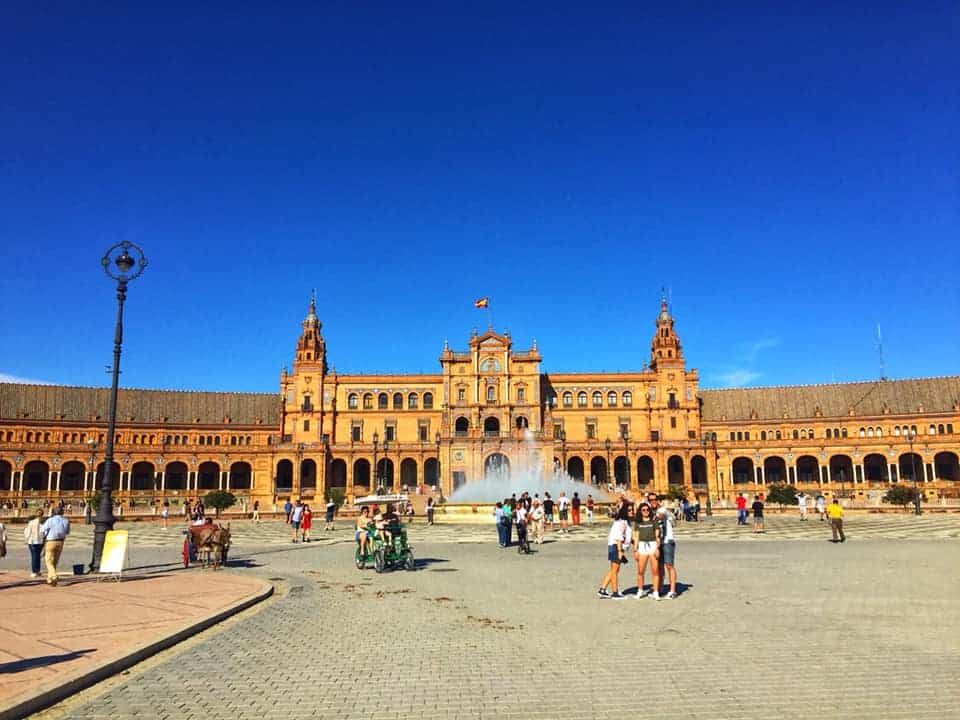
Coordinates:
902	495
220	500
782	495
676	492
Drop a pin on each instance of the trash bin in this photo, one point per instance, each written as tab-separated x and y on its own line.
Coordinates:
78	569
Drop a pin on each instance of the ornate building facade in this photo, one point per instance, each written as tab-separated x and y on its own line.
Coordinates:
490	406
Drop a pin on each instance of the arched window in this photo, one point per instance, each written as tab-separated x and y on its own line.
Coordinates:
398	401
612	399
829	433
796	434
932	430
896	429
627	399
581	399
352	401
778	435
491	394
568	399
879	432
763	434
940	429
843	432
597	399
869	432
521	394
428	401
413	401
368	401
863	432
382	401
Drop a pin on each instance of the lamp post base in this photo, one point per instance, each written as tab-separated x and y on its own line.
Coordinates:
101	526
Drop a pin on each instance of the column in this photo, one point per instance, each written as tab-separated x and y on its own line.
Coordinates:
928	472
253	475
226	480
220	481
859	473
760	475
50	481
349	488
891	472
163	481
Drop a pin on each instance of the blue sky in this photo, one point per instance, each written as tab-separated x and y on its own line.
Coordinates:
789	174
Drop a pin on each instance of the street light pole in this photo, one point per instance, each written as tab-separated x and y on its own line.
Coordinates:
439	484
606	444
375	487
626	454
128	267
913	469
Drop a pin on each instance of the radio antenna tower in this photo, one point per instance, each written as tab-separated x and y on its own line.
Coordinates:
883	367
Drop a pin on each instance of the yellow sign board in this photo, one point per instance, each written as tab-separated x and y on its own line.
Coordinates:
114	552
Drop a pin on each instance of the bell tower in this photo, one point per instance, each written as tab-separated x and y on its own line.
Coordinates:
311	347
665	350
304	399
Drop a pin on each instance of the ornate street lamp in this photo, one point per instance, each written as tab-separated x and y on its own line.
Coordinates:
376	469
606	444
563	448
625	435
437	438
122	266
913	470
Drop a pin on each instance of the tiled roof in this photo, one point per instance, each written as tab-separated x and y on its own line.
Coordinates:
938	394
83	404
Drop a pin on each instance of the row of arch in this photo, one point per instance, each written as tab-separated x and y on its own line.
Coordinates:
388	475
75	476
875	467
413	401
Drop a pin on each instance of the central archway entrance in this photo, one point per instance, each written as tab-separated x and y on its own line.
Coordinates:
496	465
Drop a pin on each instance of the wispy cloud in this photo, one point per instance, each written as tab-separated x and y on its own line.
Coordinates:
7	378
737	378
755	348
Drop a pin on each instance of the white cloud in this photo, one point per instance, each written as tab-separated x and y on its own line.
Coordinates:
737	378
755	348
6	378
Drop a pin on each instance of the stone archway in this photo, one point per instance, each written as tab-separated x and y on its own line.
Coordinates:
575	468
496	465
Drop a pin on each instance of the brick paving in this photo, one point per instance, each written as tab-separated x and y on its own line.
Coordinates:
785	625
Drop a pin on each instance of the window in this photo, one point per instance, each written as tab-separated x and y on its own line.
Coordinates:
413	401
382	401
397	401
673	424
733	436
355	433
652	394
803	434
763	434
597	399
461	394
672	401
428	401
568	399
949	428
627	399
306	426
491	394
591	431
843	432
624	431
390	433
869	432
739	437
879	432
203	440
521	394
896	429
368	402
424	431
932	430
655	436
828	433
611	399
557	431
581	399
352	401
307	404
746	435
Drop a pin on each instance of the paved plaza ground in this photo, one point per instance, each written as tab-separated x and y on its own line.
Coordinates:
786	625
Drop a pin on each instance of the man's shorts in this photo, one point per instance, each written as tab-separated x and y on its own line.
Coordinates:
563	514
668	552
549	518
296	524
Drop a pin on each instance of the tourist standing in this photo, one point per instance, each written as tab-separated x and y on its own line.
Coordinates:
575	508
165	514
256	511
835	513
646	533
668	548
34	539
328	516
536	517
508	508
186	509
757	508
802	504
617	541
741	509
821	504
296	515
288	509
548	510
563	505
306	522
3	541
54	531
430	511
498	521
199	511
87	513
590	504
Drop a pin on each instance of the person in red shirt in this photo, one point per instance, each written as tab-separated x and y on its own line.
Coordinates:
306	523
741	509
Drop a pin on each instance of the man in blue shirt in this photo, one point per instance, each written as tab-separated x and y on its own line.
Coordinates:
54	531
296	515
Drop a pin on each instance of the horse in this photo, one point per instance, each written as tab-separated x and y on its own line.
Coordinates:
212	543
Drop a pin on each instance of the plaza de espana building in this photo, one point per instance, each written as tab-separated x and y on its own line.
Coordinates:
489	404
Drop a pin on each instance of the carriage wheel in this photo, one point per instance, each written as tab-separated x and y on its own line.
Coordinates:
186	552
379	560
360	559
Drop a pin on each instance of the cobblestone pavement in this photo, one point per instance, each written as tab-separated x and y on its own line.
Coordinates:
764	628
779	526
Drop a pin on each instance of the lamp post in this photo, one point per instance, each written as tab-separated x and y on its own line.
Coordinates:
705	441
127	267
606	444
913	471
436	437
376	470
563	448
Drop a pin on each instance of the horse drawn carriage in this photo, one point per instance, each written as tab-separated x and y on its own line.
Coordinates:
208	544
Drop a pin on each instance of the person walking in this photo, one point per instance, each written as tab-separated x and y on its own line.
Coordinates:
821	505
741	509
835	513
34	539
256	511
548	511
757	508
536	518
306	522
575	509
590	504
165	514
296	516
199	511
802	504
328	514
287	509
618	539
430	511
87	513
498	521
646	532
563	505
54	532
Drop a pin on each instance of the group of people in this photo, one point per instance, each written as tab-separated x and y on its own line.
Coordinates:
376	522
44	538
533	516
833	511
300	518
646	529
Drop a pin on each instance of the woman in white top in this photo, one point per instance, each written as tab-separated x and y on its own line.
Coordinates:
617	543
31	533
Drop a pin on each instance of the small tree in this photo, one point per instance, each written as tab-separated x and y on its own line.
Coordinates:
335	495
782	495
676	493
902	495
220	500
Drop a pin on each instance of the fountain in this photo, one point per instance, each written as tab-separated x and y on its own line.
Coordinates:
474	500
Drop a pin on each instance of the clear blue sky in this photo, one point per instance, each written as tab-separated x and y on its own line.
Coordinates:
791	175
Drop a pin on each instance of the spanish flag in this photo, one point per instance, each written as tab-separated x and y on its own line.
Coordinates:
482	302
